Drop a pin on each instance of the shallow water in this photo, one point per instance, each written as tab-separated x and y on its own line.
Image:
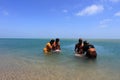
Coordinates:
23	59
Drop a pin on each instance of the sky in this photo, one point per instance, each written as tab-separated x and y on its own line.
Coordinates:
60	19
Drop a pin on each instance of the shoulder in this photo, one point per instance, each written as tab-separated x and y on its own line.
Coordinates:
48	43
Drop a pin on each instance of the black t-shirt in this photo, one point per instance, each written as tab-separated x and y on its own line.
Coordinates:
85	47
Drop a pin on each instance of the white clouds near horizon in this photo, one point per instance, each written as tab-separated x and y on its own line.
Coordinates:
114	0
65	11
104	23
117	14
90	10
90	18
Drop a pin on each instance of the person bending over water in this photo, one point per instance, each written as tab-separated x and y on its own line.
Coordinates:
90	50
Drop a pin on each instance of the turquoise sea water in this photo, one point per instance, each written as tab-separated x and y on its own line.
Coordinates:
23	59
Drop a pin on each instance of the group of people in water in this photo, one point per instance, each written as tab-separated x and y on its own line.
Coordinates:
81	48
52	46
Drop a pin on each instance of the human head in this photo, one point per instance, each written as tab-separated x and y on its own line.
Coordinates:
80	40
85	42
52	41
57	39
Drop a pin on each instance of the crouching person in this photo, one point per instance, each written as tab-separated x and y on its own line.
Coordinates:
90	50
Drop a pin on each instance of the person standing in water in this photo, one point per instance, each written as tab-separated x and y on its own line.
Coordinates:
56	45
49	46
79	47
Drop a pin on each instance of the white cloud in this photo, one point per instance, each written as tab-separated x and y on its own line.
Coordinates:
90	10
104	23
117	14
114	0
65	11
103	26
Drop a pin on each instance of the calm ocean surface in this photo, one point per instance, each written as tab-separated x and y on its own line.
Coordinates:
23	59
